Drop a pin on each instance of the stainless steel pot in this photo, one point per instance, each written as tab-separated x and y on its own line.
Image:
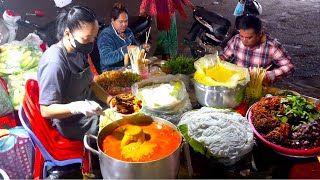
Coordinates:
219	96
165	168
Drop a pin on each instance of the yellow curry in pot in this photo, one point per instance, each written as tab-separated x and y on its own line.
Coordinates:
141	143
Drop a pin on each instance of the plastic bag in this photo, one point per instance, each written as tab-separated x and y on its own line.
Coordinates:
163	96
210	65
17	154
173	117
238	11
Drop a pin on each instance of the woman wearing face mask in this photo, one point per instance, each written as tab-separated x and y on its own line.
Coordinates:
68	96
115	40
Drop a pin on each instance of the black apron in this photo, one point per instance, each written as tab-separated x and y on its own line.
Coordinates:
75	127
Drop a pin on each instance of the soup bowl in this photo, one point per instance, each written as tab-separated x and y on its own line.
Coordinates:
166	167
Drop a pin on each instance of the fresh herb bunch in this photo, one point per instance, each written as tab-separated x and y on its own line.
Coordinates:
297	110
181	65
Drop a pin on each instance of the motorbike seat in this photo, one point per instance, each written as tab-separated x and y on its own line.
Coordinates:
219	24
48	33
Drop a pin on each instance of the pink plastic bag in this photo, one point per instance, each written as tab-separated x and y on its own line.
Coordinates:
16	154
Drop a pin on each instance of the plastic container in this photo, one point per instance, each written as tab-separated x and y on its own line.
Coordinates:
170	112
283	150
180	93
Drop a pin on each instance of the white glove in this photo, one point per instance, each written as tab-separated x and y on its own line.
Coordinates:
88	108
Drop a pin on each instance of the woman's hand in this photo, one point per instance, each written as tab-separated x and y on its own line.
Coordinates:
131	47
146	46
109	99
143	14
87	108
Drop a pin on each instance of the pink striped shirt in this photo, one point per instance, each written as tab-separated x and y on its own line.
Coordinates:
268	53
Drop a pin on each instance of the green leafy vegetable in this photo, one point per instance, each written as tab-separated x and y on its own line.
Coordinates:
181	65
297	110
196	145
176	89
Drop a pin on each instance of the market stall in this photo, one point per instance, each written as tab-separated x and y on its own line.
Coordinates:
204	105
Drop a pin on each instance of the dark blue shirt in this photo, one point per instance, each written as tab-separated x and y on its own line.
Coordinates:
112	48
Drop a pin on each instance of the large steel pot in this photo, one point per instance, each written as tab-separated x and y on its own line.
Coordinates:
219	96
165	168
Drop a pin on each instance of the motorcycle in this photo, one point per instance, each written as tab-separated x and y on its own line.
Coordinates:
11	21
208	31
211	31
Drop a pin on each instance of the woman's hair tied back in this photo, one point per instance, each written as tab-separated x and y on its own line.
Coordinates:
74	19
117	9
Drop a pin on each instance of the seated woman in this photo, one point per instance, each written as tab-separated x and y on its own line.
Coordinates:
115	40
68	94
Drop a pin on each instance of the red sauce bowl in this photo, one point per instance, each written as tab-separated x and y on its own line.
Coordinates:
301	153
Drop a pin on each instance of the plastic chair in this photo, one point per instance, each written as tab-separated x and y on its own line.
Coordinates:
49	161
48	135
54	148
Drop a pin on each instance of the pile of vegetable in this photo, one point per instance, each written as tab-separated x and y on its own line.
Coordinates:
18	62
297	110
180	65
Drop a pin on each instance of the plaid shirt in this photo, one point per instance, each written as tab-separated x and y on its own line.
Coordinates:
269	53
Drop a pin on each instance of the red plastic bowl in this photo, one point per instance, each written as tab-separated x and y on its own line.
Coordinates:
282	150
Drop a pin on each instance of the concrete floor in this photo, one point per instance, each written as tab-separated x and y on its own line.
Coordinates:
295	23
